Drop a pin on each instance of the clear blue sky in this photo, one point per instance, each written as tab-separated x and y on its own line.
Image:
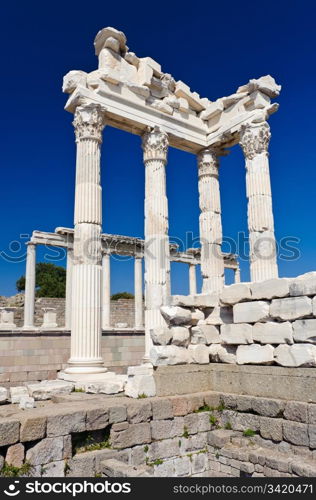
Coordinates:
214	47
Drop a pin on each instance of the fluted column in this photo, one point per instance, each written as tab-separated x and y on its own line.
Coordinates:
68	288
254	141
138	292
212	262
87	264
30	283
157	256
192	279
106	291
237	274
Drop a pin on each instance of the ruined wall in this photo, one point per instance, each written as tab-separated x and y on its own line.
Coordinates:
198	435
272	322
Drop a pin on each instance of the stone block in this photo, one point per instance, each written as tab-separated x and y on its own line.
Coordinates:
304	285
205	334
251	312
15	455
33	427
296	411
4	395
179	405
254	354
273	333
199	354
199	462
169	355
138	455
271	428
162	409
223	353
166	429
236	334
180	335
304	330
193	443
96	417
182	466
163	449
16	393
175	315
134	434
54	469
270	289
61	422
237	292
196	316
161	335
81	465
140	385
115	468
198	300
291	308
48	388
195	401
268	407
295	355
312	414
295	433
219	438
312	436
26	403
139	412
219	315
9	431
47	450
166	469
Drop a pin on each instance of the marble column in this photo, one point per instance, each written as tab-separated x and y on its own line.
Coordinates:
254	140
157	257
86	356
106	291
237	275
212	262
68	288
192	279
30	283
138	291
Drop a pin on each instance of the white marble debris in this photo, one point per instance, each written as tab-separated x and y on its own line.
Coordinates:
304	285
196	316
219	315
4	395
180	335
48	388
161	335
304	330
291	308
236	334
140	381
273	333
205	334
199	354
26	403
111	384
251	312
235	293
175	315
223	353
270	289
7	318
198	300
16	393
295	355
169	355
254	354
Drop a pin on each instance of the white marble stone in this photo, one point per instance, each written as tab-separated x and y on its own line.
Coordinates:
106	291
180	335
270	289
49	318
254	354
235	293
4	395
199	354
16	393
197	316
176	315
223	353
236	334
7	318
295	355
304	285
48	388
273	333
291	308
251	312
304	330
169	355
26	403
199	300
29	301
219	315
205	334
161	335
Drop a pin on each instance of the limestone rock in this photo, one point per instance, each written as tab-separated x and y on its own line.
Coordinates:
9	431
180	335
199	354
140	381
205	334
26	402
161	335
270	289
112	384
219	315
169	355
295	355
236	334
251	312
222	353
255	354
237	292
15	455
46	451
304	285
196	316
4	395
273	333
291	308
198	300
304	330
16	393
176	315
48	388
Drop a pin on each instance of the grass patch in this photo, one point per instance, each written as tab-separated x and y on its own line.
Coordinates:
142	396
155	462
91	441
11	471
78	390
213	420
249	433
228	426
146	448
185	432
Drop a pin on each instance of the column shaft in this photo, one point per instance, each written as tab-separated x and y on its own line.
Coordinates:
68	288
30	283
106	292
192	279
212	262
255	141
138	292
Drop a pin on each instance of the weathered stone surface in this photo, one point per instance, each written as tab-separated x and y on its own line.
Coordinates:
134	434
116	468
222	353
297	411
196	316
273	333
197	422
237	292
199	462
33	427
304	285
199	354
219	315
180	335
161	409
198	300
251	312
179	405
81	465
182	466
175	315
268	407
161	335
295	355
9	431
312	436
295	433
54	469
169	355
65	421
254	354
96	417
48	388
205	334
219	438
47	450
26	402
291	308
271	428
166	469
270	289
15	455
236	334
140	411
16	393
166	429
163	449
4	395
312	414
140	385
304	330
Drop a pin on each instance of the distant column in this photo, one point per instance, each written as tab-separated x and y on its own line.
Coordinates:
254	141
212	262
237	274
192	279
70	253
106	291
138	292
157	255
30	283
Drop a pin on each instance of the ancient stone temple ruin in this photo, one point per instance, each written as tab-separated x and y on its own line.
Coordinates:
229	373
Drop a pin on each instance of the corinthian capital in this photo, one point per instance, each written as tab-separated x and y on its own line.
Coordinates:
254	139
89	122
208	163
155	145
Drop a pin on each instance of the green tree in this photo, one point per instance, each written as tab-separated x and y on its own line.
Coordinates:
122	295
50	281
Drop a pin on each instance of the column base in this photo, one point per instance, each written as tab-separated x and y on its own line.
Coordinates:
85	377
29	328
